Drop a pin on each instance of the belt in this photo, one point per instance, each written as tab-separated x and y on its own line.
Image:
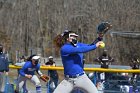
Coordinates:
74	76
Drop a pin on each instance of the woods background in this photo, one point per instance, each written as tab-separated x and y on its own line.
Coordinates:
27	25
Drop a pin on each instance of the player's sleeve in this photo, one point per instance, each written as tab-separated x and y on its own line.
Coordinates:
83	48
22	70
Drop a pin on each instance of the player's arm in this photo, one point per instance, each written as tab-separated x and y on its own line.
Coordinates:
68	49
97	40
39	73
111	59
43	77
38	70
79	49
7	64
22	70
97	59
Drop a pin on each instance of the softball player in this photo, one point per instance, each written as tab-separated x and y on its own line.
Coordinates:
4	68
27	73
72	59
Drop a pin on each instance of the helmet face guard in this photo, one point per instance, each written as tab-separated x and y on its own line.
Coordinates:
73	34
36	62
74	38
35	59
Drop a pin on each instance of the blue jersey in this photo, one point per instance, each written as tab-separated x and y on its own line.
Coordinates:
29	68
72	57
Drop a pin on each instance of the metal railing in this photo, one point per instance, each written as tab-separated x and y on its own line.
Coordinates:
86	69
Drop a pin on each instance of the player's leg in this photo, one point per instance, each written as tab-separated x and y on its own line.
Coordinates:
85	84
55	82
20	82
66	86
1	82
25	90
37	83
51	86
